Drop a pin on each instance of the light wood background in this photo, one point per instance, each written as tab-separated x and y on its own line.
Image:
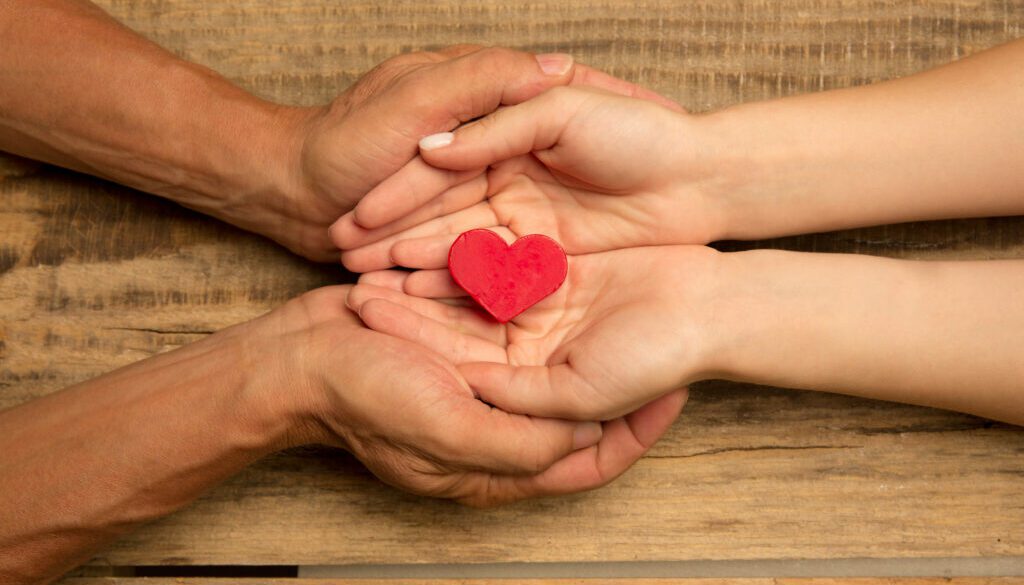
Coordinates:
865	581
95	276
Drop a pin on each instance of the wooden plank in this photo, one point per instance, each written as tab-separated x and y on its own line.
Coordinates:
706	53
93	276
865	581
747	473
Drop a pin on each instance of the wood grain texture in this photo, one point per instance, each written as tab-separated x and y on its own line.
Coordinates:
94	276
866	581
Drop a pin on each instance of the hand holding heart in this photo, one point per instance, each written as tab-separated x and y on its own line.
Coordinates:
618	334
593	170
506	280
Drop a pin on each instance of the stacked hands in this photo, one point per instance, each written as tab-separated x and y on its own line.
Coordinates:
611	349
568	394
578	165
407	374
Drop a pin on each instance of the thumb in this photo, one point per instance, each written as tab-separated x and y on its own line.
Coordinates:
477	83
528	127
588	76
555	392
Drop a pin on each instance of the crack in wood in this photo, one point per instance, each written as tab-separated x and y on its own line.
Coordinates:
911	429
163	331
754	448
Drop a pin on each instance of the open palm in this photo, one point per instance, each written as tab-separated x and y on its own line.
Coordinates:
618	334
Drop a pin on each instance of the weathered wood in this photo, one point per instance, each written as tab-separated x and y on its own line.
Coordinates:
202	581
93	276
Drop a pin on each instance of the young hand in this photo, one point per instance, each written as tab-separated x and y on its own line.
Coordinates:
627	326
593	170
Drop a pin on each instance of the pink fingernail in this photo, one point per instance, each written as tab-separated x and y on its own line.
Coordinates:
555	63
435	141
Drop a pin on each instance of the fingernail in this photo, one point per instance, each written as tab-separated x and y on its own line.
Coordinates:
586	434
436	141
555	63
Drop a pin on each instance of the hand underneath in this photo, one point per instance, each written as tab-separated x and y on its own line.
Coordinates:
593	170
627	327
410	417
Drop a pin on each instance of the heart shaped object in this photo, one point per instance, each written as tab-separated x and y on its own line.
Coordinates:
507	280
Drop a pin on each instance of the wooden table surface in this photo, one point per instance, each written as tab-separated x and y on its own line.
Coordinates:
94	276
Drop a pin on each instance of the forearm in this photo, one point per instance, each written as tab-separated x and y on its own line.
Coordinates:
80	90
941	144
943	334
84	465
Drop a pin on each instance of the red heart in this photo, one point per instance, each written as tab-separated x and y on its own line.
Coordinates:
507	280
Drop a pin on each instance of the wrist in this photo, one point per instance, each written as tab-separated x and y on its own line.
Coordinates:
749	315
281	396
695	209
753	181
239	156
693	283
813	321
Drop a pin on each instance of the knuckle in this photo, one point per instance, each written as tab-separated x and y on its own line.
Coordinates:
500	55
537	460
419	89
449	444
535	452
408	59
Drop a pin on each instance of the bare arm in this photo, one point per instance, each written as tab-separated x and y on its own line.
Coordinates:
633	324
80	90
943	334
82	466
86	464
945	143
98	98
618	173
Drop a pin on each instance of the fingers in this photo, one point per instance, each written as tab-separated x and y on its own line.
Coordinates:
377	256
624	441
392	279
477	82
534	390
399	321
460	319
514	131
431	252
416	193
591	77
648	423
427	284
487	438
550	391
433	284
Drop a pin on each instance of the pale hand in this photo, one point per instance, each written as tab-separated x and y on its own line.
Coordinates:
593	170
627	327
